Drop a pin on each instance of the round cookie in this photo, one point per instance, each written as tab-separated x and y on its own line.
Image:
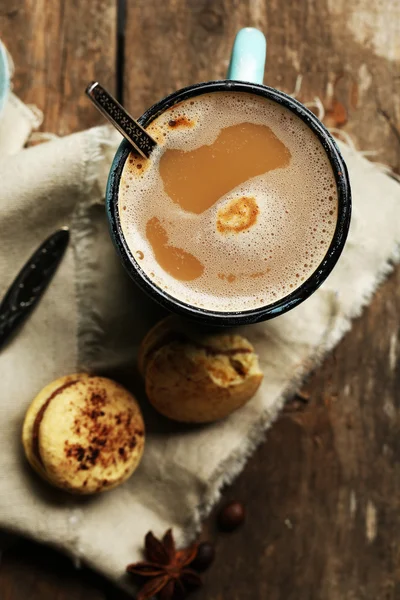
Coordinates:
84	434
197	378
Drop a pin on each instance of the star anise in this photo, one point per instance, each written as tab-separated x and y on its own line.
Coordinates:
166	569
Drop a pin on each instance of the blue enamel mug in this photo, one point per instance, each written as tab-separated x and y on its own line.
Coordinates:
4	77
245	74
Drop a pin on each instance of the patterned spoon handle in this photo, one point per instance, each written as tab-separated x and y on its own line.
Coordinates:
117	115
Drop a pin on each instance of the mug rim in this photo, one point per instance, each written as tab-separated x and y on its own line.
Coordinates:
317	277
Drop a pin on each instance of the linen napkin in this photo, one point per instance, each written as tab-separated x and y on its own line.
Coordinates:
93	316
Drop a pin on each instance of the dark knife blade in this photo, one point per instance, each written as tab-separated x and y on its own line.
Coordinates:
30	283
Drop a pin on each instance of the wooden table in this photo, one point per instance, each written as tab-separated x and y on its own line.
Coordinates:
323	492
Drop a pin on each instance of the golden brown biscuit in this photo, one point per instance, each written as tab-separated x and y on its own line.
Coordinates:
197	378
84	434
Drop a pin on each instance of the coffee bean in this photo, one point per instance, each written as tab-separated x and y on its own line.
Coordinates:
231	516
204	557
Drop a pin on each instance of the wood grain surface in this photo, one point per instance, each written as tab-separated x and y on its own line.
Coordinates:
322	493
58	47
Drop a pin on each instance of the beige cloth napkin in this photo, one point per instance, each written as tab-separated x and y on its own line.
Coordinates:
93	316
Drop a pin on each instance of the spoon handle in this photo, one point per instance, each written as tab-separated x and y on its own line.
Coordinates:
117	115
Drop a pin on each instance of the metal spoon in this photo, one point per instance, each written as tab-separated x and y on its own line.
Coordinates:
117	115
30	283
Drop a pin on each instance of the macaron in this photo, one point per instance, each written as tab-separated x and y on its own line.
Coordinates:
84	434
195	377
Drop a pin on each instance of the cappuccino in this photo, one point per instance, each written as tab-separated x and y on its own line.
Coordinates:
235	208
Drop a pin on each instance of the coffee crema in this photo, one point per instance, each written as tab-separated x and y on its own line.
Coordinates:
235	208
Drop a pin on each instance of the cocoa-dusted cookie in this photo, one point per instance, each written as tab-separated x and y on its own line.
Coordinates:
195	377
84	434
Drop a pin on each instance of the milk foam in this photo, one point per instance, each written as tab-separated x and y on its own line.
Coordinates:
297	208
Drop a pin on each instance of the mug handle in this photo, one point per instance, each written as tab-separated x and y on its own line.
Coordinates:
248	56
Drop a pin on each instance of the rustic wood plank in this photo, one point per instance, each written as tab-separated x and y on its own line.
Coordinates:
38	573
174	44
58	47
348	46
